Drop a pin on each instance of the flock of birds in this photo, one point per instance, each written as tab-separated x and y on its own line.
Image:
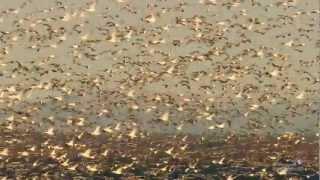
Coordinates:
76	72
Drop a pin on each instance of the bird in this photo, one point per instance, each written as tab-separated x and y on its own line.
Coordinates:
4	152
165	116
50	131
97	131
87	154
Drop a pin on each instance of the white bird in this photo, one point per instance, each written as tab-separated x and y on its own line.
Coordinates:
282	171
81	122
66	17
73	168
108	130
274	73
118	126
4	152
70	143
133	134
131	93
221	126
150	18
118	171
97	131
105	153
170	70
254	107
92	7
87	154
113	37
300	96
169	151
92	168
289	44
165	116
50	131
